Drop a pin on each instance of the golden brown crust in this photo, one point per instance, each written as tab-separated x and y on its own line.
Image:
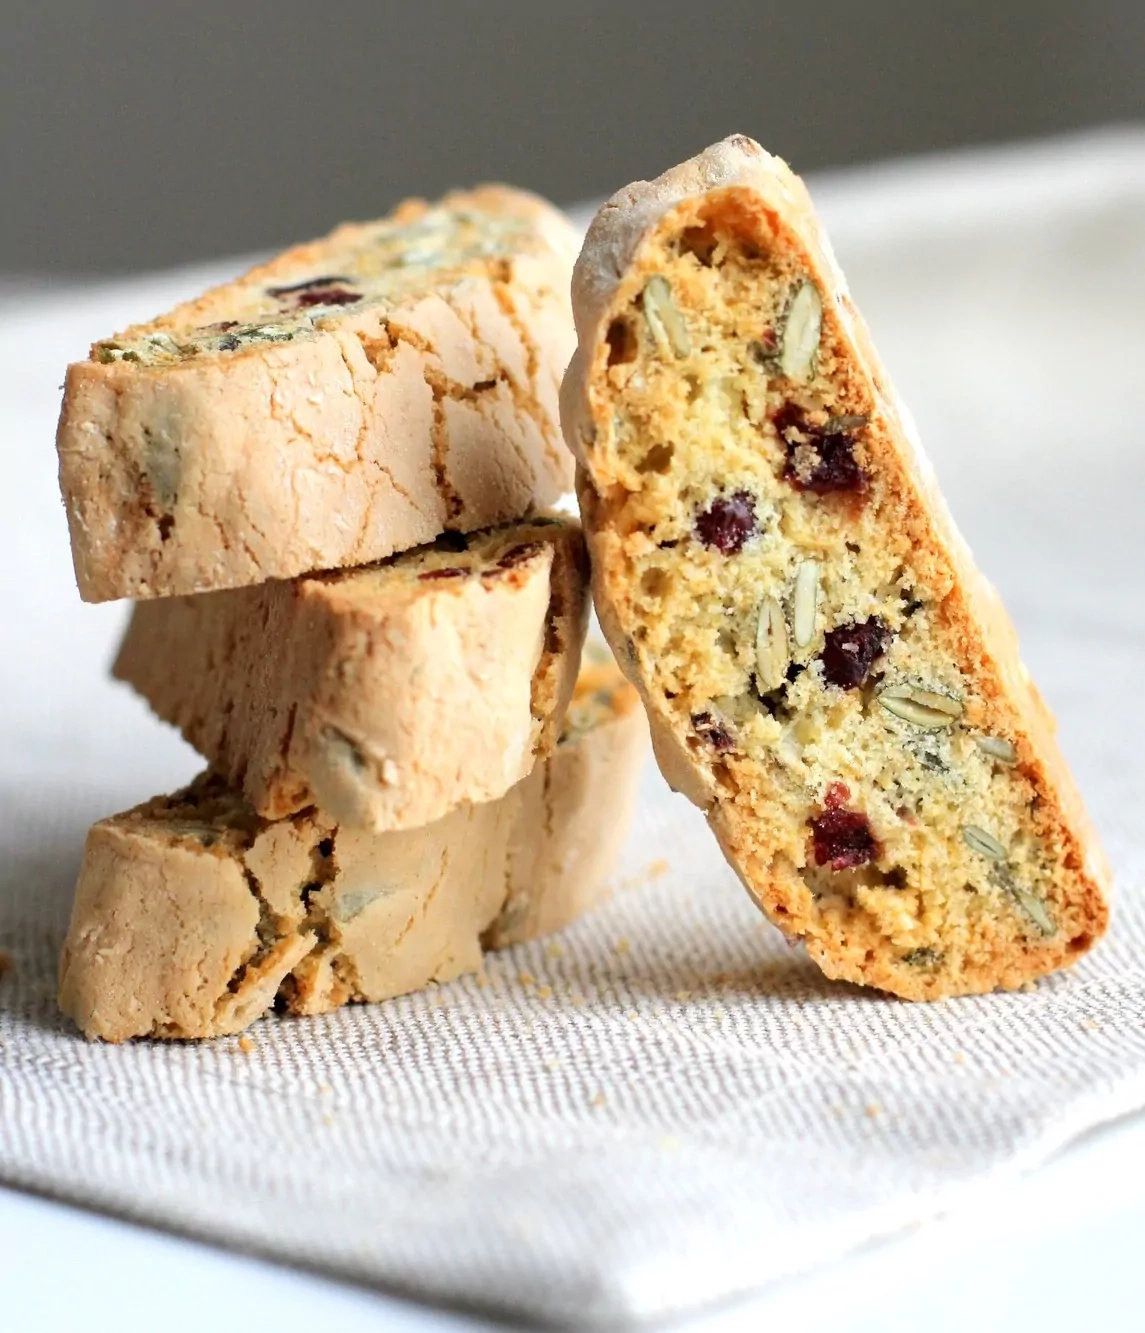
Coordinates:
771	207
386	695
381	424
193	916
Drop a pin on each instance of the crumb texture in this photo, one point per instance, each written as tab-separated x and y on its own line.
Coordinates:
386	695
826	672
193	916
355	397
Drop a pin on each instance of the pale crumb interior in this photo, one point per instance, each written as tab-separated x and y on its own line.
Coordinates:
453	558
698	374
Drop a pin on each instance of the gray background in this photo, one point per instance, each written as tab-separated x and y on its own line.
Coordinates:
136	133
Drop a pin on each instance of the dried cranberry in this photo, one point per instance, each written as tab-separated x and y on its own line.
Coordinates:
842	839
517	555
447	572
328	296
849	651
820	459
712	730
728	522
326	280
836	795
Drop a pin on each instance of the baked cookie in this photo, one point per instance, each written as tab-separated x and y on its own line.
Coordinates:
193	916
385	695
354	397
825	671
582	798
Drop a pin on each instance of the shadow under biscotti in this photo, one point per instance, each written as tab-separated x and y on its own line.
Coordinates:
37	881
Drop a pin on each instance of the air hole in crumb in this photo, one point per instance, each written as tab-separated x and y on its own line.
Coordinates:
657	459
166	523
326	847
699	241
655	582
622	343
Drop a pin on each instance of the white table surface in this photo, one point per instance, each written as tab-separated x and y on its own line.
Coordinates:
1057	1250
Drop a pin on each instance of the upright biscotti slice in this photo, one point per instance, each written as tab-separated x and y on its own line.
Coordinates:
826	672
193	916
354	397
385	695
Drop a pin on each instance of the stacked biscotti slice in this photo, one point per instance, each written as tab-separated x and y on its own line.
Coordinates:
325	486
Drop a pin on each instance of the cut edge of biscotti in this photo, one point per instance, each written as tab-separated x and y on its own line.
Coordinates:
193	917
825	671
387	695
354	397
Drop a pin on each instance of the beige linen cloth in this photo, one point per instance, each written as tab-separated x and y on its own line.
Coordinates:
668	1105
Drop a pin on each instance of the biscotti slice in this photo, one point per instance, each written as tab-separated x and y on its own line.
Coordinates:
825	671
193	916
385	695
574	810
354	397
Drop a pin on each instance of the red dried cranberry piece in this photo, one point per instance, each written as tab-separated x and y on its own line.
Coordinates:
326	280
849	651
517	555
328	296
836	795
712	730
829	449
728	522
447	572
842	839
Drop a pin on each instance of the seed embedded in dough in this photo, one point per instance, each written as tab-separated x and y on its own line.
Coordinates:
1034	908
985	844
801	332
805	602
664	320
771	653
998	748
924	708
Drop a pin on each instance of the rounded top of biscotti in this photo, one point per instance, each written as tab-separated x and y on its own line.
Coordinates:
418	248
623	221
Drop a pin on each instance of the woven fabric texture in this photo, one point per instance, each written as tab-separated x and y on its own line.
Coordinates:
666	1105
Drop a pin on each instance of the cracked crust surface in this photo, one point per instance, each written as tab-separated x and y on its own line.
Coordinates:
276	426
386	695
825	671
193	916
